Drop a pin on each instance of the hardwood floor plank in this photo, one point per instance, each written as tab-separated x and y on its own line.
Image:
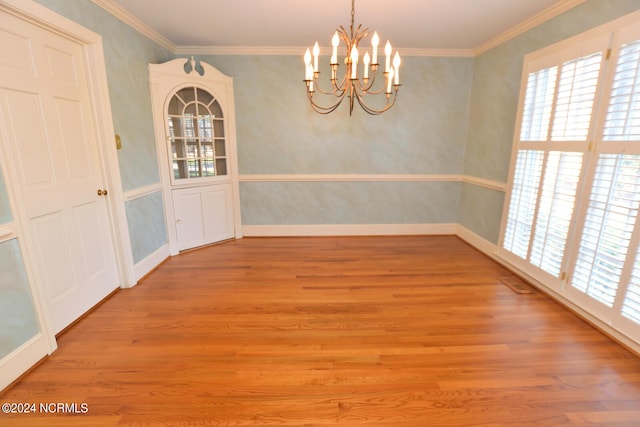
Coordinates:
349	331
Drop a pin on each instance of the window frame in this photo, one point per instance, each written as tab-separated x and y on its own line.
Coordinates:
608	38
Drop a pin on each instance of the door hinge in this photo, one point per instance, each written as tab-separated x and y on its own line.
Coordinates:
591	144
607	55
563	276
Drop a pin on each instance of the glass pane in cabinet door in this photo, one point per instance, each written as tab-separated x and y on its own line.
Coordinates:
207	167
192	149
221	166
216	110
194	168
218	128
179	169
175	106
206	149
220	148
204	127
177	148
204	97
189	127
187	94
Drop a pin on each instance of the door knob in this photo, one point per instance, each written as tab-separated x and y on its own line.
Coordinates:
102	192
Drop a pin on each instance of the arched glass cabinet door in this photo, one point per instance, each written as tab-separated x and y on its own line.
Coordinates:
196	139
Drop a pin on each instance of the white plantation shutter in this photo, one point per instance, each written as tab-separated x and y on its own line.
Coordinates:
537	225
555	212
611	216
576	93
623	116
572	213
538	102
526	181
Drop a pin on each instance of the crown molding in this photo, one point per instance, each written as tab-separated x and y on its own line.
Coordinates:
299	50
126	17
526	25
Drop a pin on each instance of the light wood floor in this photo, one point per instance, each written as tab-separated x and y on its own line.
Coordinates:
364	331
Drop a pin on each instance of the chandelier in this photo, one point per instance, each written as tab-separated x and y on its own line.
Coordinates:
353	85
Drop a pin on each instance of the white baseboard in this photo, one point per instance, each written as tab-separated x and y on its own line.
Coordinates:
22	359
478	242
143	267
346	230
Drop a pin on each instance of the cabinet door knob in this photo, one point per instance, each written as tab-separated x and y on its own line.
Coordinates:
102	192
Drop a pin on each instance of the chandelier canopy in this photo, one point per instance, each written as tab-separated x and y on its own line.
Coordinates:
353	85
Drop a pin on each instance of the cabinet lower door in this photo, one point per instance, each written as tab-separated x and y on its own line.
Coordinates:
203	215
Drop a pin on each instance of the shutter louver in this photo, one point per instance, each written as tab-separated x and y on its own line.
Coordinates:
623	117
576	93
611	215
537	105
562	173
526	181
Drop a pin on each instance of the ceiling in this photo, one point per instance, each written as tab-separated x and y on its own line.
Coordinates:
409	24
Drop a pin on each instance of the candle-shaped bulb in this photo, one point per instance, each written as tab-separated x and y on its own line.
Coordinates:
389	80
316	52
387	52
335	41
365	62
375	41
310	72
307	62
354	62
396	66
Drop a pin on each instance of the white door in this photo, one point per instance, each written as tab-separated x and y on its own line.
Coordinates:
48	126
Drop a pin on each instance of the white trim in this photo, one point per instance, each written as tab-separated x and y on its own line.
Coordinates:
299	50
486	183
348	230
22	359
142	191
153	260
483	245
480	182
348	178
126	17
528	24
7	232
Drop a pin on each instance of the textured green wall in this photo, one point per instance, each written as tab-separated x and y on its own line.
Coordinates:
494	101
278	133
18	321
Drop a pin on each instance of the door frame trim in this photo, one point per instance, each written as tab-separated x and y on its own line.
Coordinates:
16	363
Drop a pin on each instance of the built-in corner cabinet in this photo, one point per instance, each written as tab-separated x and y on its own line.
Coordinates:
195	137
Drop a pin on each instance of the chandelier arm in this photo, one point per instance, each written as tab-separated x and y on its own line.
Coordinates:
335	91
373	111
367	89
324	110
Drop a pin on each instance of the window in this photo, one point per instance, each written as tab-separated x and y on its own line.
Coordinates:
196	135
571	218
